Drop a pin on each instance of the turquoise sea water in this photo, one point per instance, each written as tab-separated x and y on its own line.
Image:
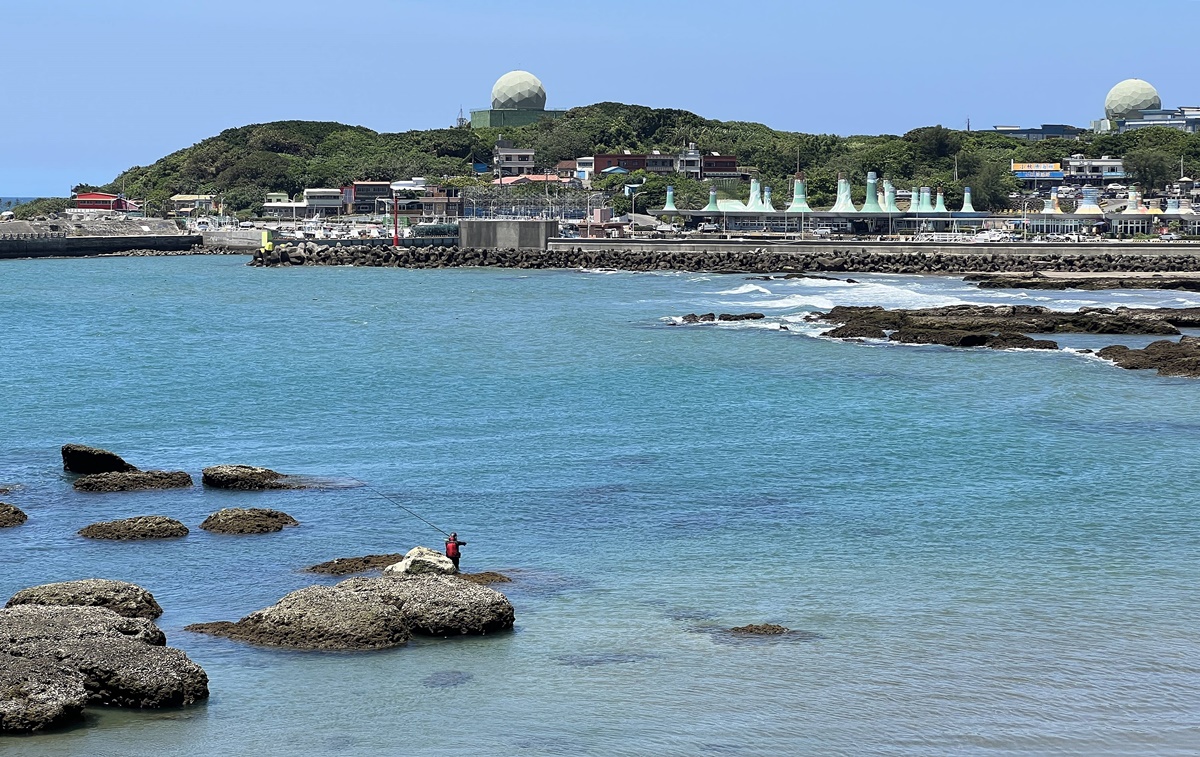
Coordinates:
986	552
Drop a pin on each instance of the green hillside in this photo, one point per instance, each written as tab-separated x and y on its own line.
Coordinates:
245	163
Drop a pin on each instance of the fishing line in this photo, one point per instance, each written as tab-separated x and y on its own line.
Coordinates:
378	493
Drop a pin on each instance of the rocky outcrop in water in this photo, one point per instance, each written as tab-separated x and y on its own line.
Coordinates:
246	478
1087	283
345	566
862	258
138	528
318	617
79	458
11	515
371	613
248	520
1169	358
55	660
420	560
438	605
485	578
125	599
691	318
994	319
133	481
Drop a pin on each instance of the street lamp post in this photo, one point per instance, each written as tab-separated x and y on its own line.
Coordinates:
395	222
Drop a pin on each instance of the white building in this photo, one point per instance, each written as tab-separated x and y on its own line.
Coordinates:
1093	171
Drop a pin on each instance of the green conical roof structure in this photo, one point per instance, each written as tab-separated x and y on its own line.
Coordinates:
967	206
712	207
670	204
799	198
843	204
941	203
871	203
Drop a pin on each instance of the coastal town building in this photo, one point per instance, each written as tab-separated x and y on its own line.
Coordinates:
625	160
441	202
323	201
585	168
1039	133
104	201
508	160
364	197
191	205
714	165
1080	170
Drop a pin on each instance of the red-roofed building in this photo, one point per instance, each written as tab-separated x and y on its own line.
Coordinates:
103	201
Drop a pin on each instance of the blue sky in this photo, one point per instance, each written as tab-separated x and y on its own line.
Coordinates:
90	89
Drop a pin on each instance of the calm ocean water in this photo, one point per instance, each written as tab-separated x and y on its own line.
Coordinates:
988	552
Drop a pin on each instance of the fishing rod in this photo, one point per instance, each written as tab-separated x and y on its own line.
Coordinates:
395	502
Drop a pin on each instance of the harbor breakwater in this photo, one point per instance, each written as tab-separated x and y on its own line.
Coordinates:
859	258
33	246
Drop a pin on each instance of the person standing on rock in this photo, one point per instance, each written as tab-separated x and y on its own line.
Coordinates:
452	551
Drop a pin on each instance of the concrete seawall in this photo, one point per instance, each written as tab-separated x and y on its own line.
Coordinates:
78	247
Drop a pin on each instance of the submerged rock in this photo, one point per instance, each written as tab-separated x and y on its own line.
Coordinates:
54	660
486	577
318	617
125	599
422	560
438	605
760	629
79	458
251	520
345	566
246	478
136	529
133	481
11	515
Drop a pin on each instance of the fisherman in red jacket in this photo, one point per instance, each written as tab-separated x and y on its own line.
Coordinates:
452	551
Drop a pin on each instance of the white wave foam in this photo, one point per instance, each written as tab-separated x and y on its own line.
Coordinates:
747	289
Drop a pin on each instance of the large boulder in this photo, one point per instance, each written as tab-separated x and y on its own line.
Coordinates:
11	515
438	605
56	659
245	478
79	458
247	520
136	529
1169	358
345	566
318	617
126	599
133	481
422	560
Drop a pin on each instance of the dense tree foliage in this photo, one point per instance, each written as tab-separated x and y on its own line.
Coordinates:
245	163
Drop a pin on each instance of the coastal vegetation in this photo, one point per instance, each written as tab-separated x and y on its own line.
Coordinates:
242	164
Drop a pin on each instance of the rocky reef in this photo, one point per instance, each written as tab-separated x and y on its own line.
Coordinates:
11	515
371	613
248	520
1169	358
137	528
85	460
345	566
125	599
133	481
246	478
69	652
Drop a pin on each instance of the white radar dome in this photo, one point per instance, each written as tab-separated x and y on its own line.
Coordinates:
518	90
1130	96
